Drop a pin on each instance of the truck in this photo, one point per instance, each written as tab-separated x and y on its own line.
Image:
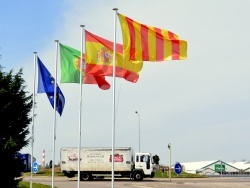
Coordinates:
26	160
96	163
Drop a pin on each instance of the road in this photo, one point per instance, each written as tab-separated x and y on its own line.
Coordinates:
63	182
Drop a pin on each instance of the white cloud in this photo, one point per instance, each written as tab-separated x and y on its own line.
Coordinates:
188	103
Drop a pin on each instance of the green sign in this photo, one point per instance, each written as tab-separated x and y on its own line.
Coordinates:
219	167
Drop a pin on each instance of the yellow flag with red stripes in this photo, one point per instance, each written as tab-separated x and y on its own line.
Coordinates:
146	43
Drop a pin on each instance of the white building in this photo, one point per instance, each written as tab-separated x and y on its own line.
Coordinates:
216	167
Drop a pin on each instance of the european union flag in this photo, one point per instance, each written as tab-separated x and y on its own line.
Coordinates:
46	85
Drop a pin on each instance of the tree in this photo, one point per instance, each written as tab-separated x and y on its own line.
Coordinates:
15	106
156	159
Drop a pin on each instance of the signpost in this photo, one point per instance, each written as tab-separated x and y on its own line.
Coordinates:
178	168
219	168
35	167
169	147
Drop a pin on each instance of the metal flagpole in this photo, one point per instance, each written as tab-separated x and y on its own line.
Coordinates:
33	118
139	131
54	126
113	111
80	108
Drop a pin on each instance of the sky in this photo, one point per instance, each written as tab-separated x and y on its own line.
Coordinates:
200	105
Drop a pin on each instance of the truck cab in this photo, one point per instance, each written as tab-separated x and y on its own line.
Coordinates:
144	166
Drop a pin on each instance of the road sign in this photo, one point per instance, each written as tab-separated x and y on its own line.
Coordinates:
219	167
35	167
177	168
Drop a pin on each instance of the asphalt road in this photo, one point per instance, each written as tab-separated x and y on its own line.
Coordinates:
63	182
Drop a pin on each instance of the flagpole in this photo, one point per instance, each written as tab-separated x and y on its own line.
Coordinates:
80	109
33	117
54	125
113	110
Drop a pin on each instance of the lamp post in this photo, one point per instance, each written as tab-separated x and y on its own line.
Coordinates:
139	129
169	147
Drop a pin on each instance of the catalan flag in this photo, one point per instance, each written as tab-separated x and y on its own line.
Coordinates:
99	59
146	43
70	69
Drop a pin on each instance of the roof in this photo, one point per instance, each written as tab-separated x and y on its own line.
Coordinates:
219	161
241	165
193	166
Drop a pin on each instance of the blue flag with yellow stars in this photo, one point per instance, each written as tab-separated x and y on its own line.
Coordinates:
46	85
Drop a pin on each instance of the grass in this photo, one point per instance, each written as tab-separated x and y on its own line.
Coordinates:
34	185
159	174
45	172
41	172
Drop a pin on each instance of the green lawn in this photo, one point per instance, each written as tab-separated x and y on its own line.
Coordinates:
159	174
34	185
45	172
41	172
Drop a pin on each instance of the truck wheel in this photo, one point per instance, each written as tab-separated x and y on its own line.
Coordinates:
85	176
69	174
138	176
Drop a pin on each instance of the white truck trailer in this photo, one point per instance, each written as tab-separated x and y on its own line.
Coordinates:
97	163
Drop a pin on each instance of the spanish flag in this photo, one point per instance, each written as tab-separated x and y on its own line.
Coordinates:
70	69
99	59
146	43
